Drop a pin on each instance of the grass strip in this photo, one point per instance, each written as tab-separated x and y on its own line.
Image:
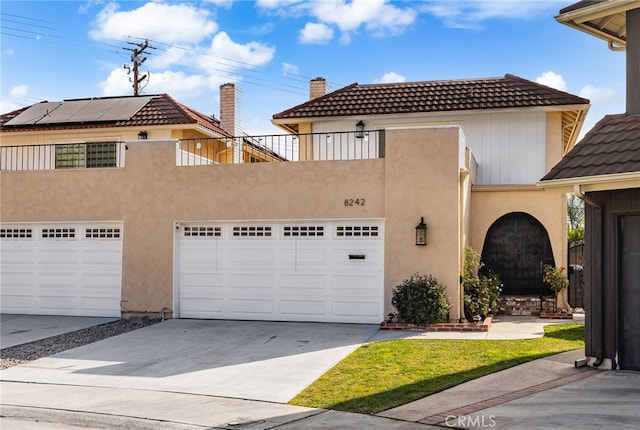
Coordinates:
384	375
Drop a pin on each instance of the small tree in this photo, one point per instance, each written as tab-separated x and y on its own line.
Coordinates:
575	219
481	292
421	300
556	279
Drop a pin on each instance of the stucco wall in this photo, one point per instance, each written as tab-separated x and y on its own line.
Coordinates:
422	180
418	178
547	207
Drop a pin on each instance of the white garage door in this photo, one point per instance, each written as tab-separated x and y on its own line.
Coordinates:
328	271
61	269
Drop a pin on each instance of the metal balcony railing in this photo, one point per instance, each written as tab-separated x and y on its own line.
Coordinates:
62	156
347	145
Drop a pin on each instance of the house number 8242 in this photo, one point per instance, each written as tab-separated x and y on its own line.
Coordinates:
354	202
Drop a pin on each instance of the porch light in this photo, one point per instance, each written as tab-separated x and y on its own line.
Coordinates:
198	145
421	233
359	130
142	135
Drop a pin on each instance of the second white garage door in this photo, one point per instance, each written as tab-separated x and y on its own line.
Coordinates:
61	269
327	271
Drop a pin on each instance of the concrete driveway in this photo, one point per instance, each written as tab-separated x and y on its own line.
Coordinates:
268	361
19	329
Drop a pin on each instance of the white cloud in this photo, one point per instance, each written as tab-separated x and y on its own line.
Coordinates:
596	94
19	91
470	13
275	4
390	77
169	23
16	100
378	17
177	84
290	68
190	59
315	33
250	54
553	80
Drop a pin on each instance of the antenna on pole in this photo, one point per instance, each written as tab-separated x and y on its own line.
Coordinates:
137	59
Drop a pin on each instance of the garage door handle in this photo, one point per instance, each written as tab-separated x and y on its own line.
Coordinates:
356	256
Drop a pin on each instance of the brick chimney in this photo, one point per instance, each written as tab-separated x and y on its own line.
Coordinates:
317	88
230	104
633	61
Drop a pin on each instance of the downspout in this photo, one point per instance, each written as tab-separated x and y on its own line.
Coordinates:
577	190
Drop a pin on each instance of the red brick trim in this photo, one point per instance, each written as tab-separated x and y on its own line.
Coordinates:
450	327
556	315
504	398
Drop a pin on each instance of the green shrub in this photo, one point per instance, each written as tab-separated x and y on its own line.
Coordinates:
481	292
421	300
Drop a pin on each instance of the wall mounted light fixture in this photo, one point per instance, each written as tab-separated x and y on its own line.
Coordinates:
142	135
198	145
359	130
421	233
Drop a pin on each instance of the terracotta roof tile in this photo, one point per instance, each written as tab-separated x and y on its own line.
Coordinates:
611	146
161	109
432	96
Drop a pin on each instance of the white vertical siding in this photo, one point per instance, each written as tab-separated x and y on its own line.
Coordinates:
510	148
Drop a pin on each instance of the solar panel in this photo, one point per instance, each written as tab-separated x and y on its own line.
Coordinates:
79	111
34	113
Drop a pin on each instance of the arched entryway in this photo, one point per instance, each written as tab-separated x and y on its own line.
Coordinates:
516	247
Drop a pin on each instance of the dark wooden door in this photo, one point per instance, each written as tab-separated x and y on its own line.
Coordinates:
629	239
516	247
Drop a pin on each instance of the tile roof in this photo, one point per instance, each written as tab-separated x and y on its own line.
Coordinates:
612	146
161	109
580	5
432	96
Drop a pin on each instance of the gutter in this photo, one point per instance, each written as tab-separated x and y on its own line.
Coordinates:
577	190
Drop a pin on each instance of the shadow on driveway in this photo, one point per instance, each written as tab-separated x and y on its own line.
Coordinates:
270	361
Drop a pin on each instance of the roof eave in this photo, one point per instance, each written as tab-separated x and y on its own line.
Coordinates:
287	124
579	18
594	183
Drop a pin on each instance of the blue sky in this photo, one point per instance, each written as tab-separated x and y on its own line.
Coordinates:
56	50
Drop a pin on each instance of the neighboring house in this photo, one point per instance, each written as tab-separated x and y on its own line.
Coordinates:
604	170
326	238
89	133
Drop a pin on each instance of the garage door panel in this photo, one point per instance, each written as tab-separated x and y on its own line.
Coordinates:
356	309
201	306
197	253
301	271
75	269
62	255
248	307
304	283
256	256
298	308
305	258
12	253
104	257
251	283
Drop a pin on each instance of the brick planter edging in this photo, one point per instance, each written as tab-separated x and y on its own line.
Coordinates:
556	315
462	327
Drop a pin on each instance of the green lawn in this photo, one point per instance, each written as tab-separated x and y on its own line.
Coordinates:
387	374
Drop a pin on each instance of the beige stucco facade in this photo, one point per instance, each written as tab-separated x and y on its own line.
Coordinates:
419	177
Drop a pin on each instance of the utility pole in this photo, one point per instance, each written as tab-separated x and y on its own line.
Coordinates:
137	59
